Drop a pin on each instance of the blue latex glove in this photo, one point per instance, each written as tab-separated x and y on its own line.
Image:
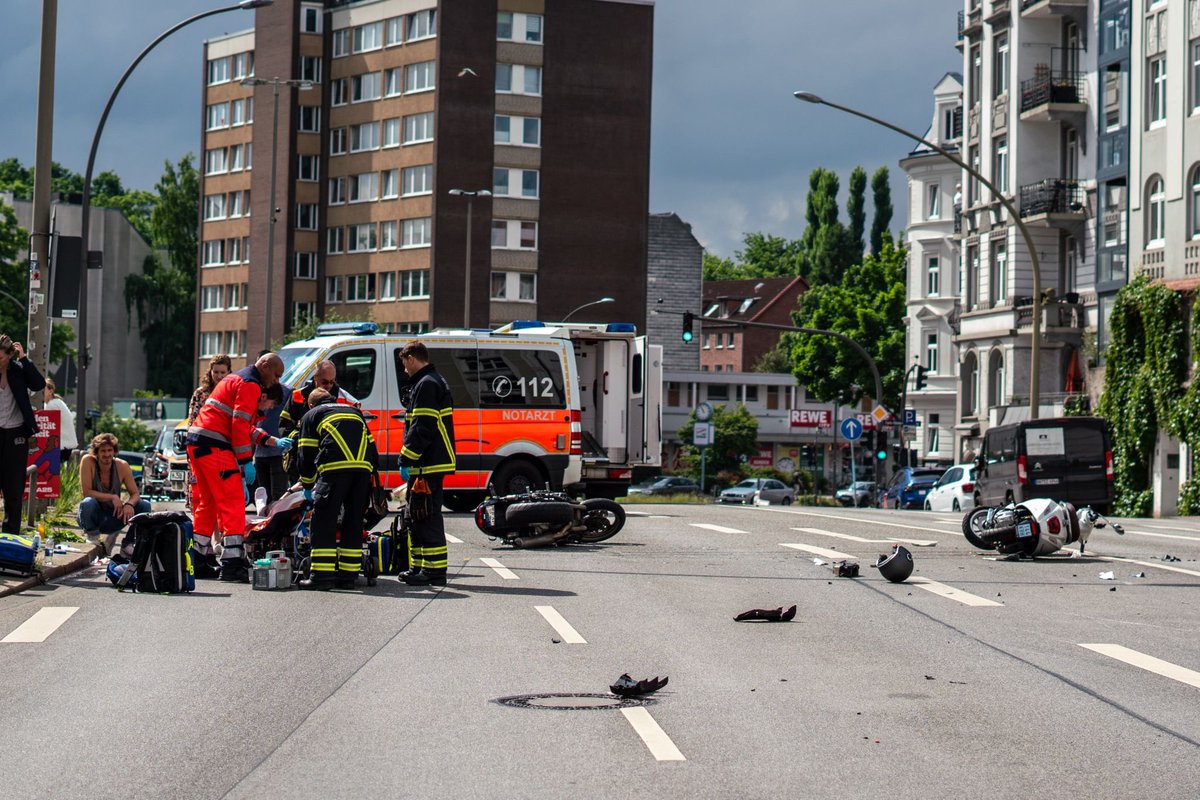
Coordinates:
248	472
245	494
308	495
404	474
285	442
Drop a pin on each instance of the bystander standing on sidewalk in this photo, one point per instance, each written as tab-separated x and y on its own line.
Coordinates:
268	459
18	377
67	439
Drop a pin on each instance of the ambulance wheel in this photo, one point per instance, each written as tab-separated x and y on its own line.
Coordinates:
603	518
517	477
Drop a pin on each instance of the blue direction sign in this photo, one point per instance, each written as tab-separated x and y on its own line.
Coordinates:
851	429
910	416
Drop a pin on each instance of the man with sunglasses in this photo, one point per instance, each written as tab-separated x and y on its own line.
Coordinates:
324	377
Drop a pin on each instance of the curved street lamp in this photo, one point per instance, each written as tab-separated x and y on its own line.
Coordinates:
86	208
470	195
586	305
1014	215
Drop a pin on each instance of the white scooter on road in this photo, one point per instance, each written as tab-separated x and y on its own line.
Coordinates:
1036	527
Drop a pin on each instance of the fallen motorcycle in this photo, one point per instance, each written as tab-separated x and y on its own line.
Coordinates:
542	518
1036	527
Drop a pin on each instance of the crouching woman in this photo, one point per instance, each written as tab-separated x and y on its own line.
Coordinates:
102	477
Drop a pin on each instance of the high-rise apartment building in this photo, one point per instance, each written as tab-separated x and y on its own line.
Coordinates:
399	141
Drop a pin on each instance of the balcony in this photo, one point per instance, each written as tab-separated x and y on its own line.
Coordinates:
1153	264
1053	203
1064	315
972	25
1000	11
1045	9
1053	96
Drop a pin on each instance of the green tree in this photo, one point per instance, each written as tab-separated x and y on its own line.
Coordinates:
881	193
855	209
65	181
173	219
735	434
868	306
719	269
15	177
766	256
827	245
14	275
131	434
308	326
137	205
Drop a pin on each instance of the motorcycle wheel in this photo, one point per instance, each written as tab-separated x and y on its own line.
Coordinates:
603	519
971	526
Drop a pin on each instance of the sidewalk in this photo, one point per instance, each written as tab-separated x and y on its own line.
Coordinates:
64	564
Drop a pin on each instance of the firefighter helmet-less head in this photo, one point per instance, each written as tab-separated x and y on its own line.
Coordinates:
897	565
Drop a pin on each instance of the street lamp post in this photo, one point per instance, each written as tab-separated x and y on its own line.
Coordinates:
85	210
1014	215
274	83
585	305
470	195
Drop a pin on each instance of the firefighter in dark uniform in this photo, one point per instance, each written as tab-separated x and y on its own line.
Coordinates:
337	459
324	377
428	452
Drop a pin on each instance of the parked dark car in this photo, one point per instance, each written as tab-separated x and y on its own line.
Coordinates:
1063	458
859	494
670	484
908	487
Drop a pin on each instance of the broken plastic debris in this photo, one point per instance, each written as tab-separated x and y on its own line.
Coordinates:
1139	574
628	687
767	615
845	569
1107	576
819	562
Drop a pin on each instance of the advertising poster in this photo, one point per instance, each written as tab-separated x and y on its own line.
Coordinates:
44	452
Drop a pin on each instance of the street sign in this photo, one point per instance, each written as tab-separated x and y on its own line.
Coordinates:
702	434
910	416
851	429
879	413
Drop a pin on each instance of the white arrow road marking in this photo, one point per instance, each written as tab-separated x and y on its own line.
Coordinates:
655	738
564	629
717	528
501	570
1148	663
889	540
39	627
942	590
453	539
1154	564
817	551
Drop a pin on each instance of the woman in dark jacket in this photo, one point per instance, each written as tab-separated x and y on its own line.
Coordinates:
18	377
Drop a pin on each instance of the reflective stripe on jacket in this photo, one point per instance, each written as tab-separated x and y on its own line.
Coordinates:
429	425
297	405
229	413
334	437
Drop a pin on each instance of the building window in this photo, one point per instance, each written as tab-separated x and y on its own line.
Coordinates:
1194	200
335	240
1114	98
418	180
364	188
387	286
302	313
932	206
218	70
1156	111
235	203
418	128
999	273
976	75
933	277
210	344
512	26
932	434
333	289
505	182
422	24
391	132
931	352
419	77
360	288
339	92
309	120
518	79
341	42
337	191
238	296
233	251
306	266
361	238
217	116
1156	219
364	137
972	181
416	232
514	286
309	168
1000	164
1000	64
393	81
391	183
337	141
414	284
365	87
995	384
306	216
973	277
216	161
237	157
241	111
214	206
213	253
514	234
525	131
1195	88
388	233
310	19
211	299
310	68
368	37
394	31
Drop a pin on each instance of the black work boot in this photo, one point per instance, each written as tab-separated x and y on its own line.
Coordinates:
346	580
318	583
428	577
411	572
234	571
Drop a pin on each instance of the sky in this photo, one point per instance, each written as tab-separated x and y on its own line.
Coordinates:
731	149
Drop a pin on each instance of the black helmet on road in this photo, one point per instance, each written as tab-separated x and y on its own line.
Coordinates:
897	565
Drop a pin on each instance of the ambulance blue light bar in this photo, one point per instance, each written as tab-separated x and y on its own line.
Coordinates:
621	327
525	324
356	328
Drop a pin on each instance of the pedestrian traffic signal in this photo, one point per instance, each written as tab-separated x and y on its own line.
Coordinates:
688	318
881	445
921	380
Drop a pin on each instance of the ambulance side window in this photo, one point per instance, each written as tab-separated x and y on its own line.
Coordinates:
355	371
519	378
452	363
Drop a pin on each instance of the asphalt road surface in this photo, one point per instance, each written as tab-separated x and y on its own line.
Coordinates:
978	678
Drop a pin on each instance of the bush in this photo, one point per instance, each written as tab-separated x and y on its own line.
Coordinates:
131	434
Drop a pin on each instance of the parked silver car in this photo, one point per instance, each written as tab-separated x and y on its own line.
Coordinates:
859	494
768	490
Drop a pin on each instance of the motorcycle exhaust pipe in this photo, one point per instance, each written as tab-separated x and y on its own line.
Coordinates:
524	542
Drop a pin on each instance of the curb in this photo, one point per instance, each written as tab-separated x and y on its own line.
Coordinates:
48	574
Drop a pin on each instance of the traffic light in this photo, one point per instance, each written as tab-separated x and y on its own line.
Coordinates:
688	317
881	444
921	380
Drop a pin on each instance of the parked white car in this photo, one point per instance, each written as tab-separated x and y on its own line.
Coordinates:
954	491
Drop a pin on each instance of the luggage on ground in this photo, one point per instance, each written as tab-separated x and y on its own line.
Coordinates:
161	557
17	554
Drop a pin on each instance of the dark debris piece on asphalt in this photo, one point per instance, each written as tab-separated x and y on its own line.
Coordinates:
628	687
767	615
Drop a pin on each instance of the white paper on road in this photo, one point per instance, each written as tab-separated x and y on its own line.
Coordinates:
717	528
39	627
958	595
654	737
501	570
888	540
560	625
1148	663
816	551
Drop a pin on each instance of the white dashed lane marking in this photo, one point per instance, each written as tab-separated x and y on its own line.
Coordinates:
560	625
942	590
816	551
1148	663
39	627
889	540
718	528
654	737
453	539
501	570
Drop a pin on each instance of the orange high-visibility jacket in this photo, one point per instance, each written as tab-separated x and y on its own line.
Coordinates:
229	414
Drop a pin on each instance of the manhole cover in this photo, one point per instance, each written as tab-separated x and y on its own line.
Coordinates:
572	701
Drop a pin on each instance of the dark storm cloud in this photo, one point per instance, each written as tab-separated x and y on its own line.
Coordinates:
732	149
